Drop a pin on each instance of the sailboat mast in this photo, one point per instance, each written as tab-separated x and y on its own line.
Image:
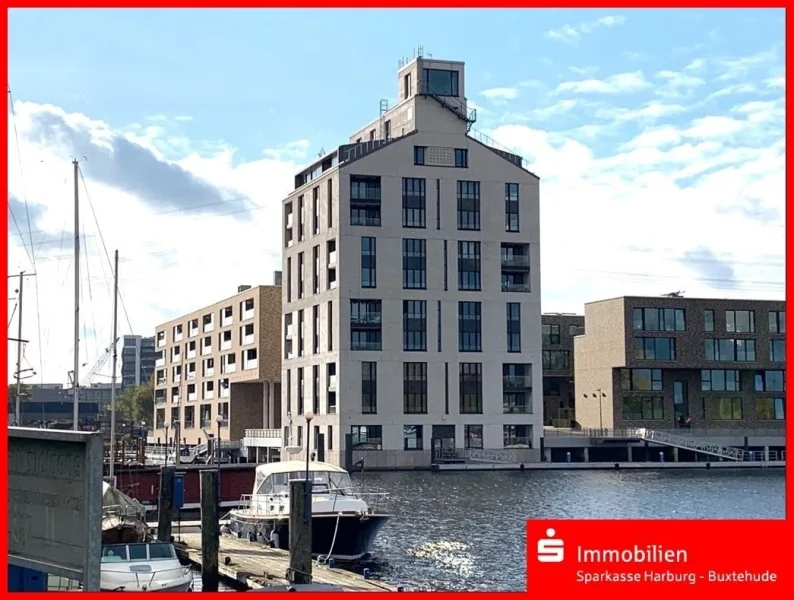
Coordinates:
76	376
113	372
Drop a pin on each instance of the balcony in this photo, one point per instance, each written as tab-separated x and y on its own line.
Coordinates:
515	261
176	358
209	394
362	221
192	396
513	408
190	353
160	362
365	319
209	326
228	368
227	319
515	287
517	382
226	344
159	400
247	339
517	442
191	375
161	341
248	310
332	259
205	350
193	331
161	381
332	383
250	363
366	346
365	196
262	438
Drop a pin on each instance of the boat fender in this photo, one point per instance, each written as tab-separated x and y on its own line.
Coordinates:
239	534
521	466
400	588
274	540
227	560
367	573
251	536
330	562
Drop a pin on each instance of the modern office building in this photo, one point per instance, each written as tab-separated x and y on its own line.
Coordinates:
137	360
558	330
224	360
658	362
412	286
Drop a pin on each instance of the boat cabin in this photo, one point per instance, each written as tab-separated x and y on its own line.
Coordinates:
116	553
273	479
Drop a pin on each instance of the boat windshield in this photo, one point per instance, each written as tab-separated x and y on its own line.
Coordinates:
322	482
137	552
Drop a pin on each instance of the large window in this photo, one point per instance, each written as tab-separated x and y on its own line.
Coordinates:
470	384
557	360
469	265
777	321
517	436
659	319
511	207
414	203
720	380
415	388
469	205
727	409
641	379
513	327
777	350
412	437
367	437
730	350
415	325
647	348
551	334
369	388
641	408
770	381
365	325
440	82
770	409
740	321
414	264
469	327
365	201
369	260
708	319
472	436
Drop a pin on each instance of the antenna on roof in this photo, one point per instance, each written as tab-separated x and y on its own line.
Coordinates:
420	50
321	153
679	294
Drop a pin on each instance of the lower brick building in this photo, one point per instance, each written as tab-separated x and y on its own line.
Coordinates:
667	362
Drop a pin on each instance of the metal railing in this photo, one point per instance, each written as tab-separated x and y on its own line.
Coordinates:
688	443
515	287
515	261
517	381
624	432
263	433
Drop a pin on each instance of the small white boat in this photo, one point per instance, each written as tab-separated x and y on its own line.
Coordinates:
143	567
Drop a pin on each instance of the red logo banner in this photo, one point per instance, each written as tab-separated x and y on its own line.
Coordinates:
691	557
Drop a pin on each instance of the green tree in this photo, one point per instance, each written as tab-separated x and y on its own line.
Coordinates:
136	403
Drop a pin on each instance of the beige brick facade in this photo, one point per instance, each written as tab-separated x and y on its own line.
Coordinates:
224	360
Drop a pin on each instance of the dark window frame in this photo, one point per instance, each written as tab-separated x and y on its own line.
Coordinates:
647	348
470	388
512	208
415	340
643	319
414	251
469	312
415	388
469	207
469	255
369	388
371	270
461	158
414	202
651	408
513	323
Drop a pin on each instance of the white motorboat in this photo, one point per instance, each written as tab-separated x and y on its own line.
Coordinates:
143	567
345	521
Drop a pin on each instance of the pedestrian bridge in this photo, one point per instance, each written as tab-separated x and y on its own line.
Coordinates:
672	440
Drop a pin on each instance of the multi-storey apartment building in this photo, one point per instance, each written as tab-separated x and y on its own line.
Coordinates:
666	362
558	331
412	286
224	360
137	360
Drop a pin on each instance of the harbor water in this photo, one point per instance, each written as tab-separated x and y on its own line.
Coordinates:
466	531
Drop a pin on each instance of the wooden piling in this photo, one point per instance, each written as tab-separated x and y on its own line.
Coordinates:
210	530
300	532
165	504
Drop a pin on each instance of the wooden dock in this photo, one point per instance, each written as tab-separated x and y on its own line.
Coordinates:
256	566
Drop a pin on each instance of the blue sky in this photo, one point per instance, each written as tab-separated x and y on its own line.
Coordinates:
658	137
289	72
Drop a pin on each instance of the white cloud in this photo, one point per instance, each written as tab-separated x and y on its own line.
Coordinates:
677	83
621	83
500	94
572	33
658	137
174	256
714	127
776	82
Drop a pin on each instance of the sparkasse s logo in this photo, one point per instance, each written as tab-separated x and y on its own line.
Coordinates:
550	549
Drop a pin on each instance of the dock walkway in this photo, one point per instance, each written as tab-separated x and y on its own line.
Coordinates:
257	566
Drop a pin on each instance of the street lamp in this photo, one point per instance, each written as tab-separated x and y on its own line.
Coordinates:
166	425
600	395
309	416
176	426
219	421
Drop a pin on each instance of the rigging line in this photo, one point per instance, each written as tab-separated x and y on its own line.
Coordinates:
13	312
21	174
19	231
30	234
104	247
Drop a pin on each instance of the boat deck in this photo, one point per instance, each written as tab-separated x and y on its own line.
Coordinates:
258	567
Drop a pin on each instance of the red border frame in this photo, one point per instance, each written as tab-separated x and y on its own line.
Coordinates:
784	532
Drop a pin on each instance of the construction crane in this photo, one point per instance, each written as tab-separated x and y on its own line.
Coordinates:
89	378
